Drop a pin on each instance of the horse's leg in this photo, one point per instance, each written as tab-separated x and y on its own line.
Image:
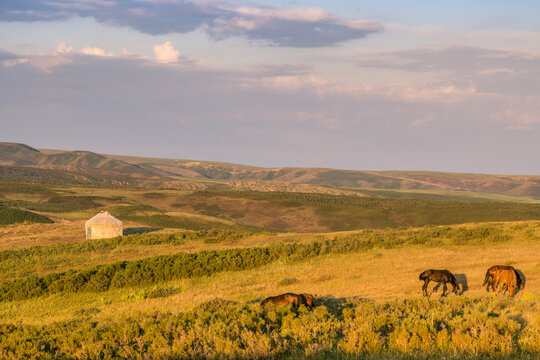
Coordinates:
500	288
455	288
444	289
424	287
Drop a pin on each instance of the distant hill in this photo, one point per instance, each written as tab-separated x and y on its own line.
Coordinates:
73	167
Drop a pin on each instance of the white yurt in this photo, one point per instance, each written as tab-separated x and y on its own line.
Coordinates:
103	226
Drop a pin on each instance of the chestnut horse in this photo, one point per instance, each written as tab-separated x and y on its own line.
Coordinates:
443	276
491	274
509	278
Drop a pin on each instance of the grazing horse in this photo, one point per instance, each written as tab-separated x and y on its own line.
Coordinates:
289	299
509	278
310	300
491	275
443	276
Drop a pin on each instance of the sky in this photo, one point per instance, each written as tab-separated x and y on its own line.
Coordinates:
364	85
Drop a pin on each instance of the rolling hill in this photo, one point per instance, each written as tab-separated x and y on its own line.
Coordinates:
84	167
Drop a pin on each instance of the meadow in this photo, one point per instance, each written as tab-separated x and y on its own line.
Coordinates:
188	279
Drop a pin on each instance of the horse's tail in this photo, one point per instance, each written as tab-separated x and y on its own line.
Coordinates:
454	282
486	279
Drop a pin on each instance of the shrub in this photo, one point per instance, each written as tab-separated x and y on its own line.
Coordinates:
9	215
457	328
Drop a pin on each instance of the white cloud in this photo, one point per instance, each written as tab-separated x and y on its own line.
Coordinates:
95	51
63	48
15	62
166	53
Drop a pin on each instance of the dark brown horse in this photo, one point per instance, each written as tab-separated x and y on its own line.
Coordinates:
491	275
439	276
290	299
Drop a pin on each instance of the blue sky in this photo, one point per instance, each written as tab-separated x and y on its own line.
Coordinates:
370	85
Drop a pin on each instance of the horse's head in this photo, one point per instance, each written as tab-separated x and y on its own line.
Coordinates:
424	275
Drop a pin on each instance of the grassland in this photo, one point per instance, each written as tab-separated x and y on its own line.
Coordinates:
188	281
219	209
369	303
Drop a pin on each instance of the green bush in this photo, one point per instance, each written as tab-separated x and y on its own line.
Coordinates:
457	328
9	215
22	262
346	212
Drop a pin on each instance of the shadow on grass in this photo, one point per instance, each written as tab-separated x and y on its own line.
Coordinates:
462	282
523	280
140	230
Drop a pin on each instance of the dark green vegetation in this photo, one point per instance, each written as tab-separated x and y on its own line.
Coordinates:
207	262
56	204
255	210
339	212
10	215
456	328
29	261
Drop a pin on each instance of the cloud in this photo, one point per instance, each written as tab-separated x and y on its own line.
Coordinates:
166	53
15	62
464	60
63	48
95	51
316	122
296	27
488	71
308	27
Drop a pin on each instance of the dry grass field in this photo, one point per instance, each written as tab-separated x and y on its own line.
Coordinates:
378	274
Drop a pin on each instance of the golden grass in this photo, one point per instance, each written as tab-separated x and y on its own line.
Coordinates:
379	275
25	235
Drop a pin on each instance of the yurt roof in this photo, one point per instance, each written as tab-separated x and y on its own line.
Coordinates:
104	217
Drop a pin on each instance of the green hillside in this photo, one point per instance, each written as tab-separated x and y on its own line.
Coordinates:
9	215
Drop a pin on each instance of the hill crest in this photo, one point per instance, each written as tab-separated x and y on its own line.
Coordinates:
181	173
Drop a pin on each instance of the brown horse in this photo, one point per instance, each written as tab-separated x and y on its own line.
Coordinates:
290	299
509	278
491	275
443	276
310	300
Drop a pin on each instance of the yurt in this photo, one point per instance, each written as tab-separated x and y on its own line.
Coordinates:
103	226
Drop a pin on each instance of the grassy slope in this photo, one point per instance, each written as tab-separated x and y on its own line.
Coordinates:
298	212
131	171
118	321
379	274
10	215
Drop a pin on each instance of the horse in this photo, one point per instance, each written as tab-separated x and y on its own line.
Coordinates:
310	300
290	299
491	273
509	278
443	276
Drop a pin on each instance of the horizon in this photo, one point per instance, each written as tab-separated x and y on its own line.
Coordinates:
370	86
265	167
